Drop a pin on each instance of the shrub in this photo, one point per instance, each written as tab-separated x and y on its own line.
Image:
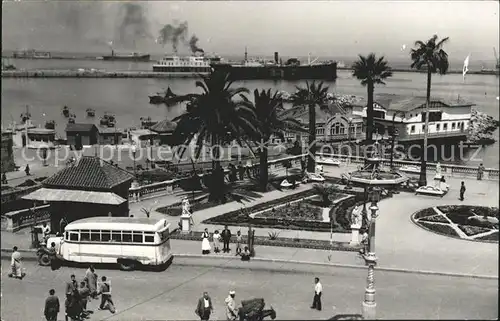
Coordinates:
459	214
273	235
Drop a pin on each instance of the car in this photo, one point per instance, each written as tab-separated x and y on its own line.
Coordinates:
432	190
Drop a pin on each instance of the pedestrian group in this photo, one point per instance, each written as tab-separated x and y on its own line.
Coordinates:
225	237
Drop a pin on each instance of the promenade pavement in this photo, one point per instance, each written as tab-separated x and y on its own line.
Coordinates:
400	244
288	288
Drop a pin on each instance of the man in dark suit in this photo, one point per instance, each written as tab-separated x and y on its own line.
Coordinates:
205	307
51	306
226	237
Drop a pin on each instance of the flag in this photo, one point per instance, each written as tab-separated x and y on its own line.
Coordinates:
466	66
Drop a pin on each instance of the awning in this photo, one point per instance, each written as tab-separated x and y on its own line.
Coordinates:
63	195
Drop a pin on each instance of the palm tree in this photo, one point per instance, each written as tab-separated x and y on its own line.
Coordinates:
431	55
371	71
214	115
313	95
268	108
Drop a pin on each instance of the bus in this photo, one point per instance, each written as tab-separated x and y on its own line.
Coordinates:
127	241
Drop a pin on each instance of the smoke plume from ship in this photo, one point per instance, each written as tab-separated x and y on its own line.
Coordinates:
175	34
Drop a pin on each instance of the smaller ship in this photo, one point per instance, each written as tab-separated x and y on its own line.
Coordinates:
108	120
146	122
31	54
7	66
191	66
65	111
126	57
160	99
90	112
51	124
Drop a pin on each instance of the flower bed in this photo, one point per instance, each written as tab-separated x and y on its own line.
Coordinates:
471	220
281	221
435	218
280	241
305	210
425	212
470	230
489	237
442	229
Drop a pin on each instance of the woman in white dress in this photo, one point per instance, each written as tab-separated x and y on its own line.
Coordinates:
205	244
216	236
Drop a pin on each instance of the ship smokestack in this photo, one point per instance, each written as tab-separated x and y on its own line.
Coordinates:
276	57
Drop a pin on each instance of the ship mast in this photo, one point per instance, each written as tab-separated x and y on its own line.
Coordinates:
246	54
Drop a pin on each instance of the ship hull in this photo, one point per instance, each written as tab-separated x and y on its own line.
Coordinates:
144	58
320	72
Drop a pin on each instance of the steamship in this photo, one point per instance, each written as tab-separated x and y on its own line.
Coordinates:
292	69
126	57
31	54
189	66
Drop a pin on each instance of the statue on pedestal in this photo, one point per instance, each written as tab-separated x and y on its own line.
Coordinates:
356	216
438	170
186	207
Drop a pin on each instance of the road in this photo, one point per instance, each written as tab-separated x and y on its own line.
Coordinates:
173	294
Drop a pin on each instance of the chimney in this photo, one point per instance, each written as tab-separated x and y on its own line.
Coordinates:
276	56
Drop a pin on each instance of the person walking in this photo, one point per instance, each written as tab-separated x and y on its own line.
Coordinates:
239	240
105	292
226	238
51	306
231	310
83	295
15	264
462	191
91	280
318	289
45	232
204	307
27	170
54	263
216	237
205	243
4	178
480	171
72	285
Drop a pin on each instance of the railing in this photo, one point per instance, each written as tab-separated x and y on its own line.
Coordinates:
447	169
17	220
168	187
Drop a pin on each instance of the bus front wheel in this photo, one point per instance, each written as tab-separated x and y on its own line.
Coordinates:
127	265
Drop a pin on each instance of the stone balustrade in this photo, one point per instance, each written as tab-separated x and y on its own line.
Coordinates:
16	220
168	187
447	169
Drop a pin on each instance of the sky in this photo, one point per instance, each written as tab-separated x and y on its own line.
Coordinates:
333	29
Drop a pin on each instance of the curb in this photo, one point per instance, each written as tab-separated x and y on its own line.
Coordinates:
5	254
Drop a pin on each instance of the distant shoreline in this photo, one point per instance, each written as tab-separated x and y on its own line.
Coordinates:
470	72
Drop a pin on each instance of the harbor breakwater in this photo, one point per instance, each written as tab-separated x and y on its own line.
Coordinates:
90	74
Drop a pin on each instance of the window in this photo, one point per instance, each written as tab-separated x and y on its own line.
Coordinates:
320	131
149	237
85	235
445	126
423	127
127	236
116	236
411	115
438	127
105	236
379	114
67	235
337	129
412	130
433	116
95	236
73	236
452	126
137	237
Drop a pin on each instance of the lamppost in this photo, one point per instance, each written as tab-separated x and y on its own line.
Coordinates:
134	150
369	304
395	133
